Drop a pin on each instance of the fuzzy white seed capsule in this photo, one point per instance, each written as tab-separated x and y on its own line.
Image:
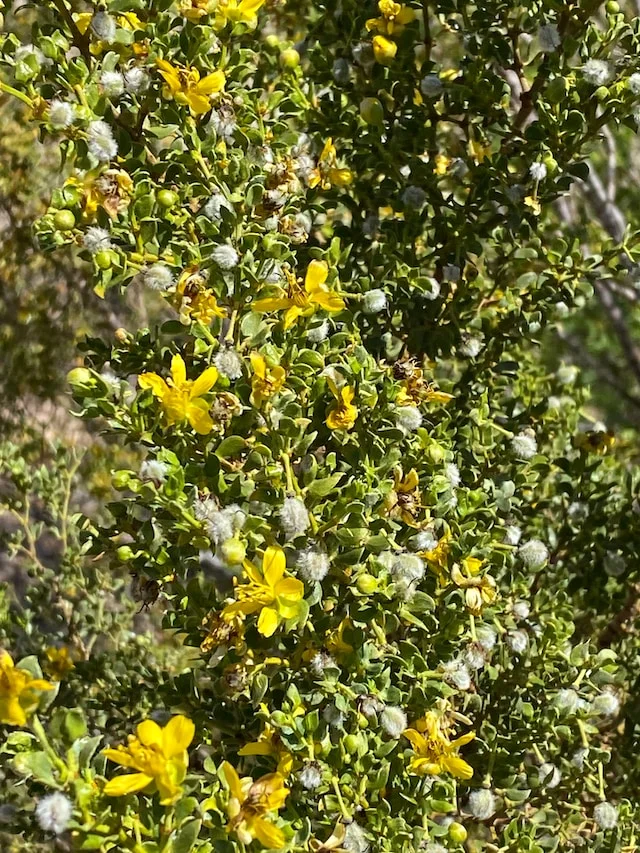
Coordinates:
100	140
103	26
605	705
53	813
294	517
61	114
487	637
213	208
521	609
219	527
136	80
225	256
313	565
452	473
596	72
524	445
152	469
533	553
355	840
512	534
517	641
317	334
374	301
112	83
393	720
566	701
320	662
310	776
228	363
157	277
471	346
414	197
605	815
549	37
482	804
538	171
96	240
408	418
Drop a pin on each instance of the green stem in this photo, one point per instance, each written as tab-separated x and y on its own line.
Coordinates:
5	87
38	729
343	808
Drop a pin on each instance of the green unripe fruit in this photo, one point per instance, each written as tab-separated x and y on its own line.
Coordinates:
612	7
233	551
551	163
602	93
64	220
104	259
80	379
367	583
167	199
457	832
435	453
351	743
371	111
124	553
272	41
290	58
120	480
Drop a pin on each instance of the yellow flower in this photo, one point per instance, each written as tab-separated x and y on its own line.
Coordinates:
158	754
327	173
193	10
434	752
404	500
267	592
384	50
532	202
182	398
478	590
269	743
197	302
59	662
237	11
250	801
438	559
266	381
344	414
442	163
185	86
303	302
19	692
335	642
393	18
111	190
126	20
595	441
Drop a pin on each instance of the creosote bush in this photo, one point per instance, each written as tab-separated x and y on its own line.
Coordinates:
397	556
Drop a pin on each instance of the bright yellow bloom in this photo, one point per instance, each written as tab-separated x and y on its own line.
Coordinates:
237	11
303	302
269	743
267	592
126	20
158	754
111	190
185	86
181	399
384	50
478	590
404	501
393	18
327	173
532	202
59	662
266	381
434	752
442	163
344	414
193	10
249	802
19	692
595	441
438	559
196	301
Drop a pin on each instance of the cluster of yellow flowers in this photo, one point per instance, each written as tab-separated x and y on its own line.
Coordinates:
392	21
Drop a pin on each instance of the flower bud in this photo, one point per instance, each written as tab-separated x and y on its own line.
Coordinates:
457	832
367	583
64	220
371	111
290	58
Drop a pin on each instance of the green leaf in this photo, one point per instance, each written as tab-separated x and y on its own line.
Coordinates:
230	446
183	839
35	765
320	488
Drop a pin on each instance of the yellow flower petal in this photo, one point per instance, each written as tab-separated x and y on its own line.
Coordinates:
271	303
233	780
317	273
211	84
273	565
127	784
149	733
204	382
199	417
267	834
291	316
267	621
155	383
178	370
177	735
